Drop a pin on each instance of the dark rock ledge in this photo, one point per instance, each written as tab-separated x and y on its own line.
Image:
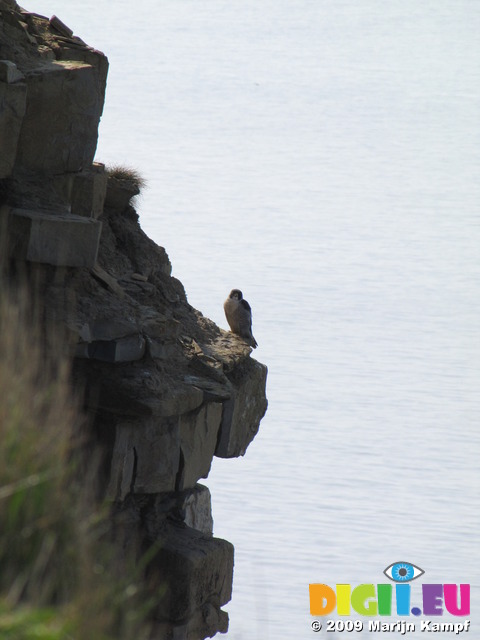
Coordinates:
165	387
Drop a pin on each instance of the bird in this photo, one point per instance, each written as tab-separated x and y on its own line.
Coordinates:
239	316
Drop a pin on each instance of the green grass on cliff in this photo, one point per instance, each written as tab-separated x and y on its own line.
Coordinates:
58	574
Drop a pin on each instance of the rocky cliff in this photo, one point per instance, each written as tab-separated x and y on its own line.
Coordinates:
166	389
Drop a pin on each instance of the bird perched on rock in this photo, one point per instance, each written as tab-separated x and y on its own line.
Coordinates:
239	316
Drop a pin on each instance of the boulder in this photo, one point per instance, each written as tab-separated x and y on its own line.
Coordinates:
127	349
60	126
243	411
145	458
120	192
197	508
13	102
198	439
9	72
194	565
88	191
58	239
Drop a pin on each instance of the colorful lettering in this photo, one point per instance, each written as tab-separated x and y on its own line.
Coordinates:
343	599
451	601
367	601
432	599
322	599
384	599
363	600
402	594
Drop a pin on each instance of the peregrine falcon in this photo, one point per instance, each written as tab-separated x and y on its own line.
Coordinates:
239	316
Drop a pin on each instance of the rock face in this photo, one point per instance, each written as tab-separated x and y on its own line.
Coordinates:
166	388
53	88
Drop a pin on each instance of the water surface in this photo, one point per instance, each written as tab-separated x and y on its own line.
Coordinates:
323	157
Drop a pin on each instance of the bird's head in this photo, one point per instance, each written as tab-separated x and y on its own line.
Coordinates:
236	294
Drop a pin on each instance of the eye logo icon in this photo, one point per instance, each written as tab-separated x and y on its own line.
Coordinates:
403	572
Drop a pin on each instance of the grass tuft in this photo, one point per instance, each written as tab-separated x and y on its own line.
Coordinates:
126	174
60	576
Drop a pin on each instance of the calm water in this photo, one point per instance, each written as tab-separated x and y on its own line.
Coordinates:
323	156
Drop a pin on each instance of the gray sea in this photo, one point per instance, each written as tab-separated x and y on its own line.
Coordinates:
322	156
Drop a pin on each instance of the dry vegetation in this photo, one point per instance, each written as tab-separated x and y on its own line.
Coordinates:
126	174
58	575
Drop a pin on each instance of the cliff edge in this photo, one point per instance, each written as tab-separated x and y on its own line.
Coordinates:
165	388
